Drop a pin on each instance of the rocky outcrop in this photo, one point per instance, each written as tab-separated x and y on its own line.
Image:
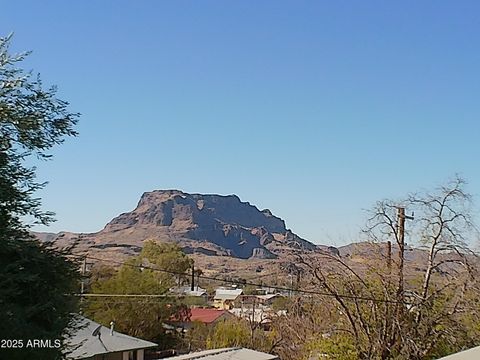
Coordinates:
208	224
262	253
174	208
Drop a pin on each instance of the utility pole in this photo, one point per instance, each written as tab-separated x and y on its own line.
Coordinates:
82	284
193	277
389	257
84	270
291	285
401	249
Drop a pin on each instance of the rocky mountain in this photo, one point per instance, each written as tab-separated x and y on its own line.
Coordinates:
208	224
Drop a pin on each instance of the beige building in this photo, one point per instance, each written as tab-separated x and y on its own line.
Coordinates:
225	298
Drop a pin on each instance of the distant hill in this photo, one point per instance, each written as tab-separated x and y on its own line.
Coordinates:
207	224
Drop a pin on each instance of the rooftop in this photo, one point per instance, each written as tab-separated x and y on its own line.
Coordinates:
92	339
227	294
268	296
206	316
470	354
186	290
227	354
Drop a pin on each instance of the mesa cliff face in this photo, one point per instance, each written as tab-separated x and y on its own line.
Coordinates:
209	224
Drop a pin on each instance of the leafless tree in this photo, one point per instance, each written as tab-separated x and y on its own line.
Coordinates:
400	301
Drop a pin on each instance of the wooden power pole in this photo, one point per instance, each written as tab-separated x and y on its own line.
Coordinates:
192	287
82	284
389	257
401	249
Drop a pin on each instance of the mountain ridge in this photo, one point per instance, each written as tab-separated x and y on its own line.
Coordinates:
211	224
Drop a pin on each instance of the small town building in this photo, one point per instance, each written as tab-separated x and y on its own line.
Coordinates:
268	299
92	341
259	300
209	317
265	290
254	315
225	299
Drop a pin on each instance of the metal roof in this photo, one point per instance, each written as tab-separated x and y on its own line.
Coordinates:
86	345
186	290
197	293
471	354
227	294
226	354
207	315
268	296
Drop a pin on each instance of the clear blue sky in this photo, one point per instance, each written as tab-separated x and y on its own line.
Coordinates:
314	109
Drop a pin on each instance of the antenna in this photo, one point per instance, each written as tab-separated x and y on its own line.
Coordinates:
97	331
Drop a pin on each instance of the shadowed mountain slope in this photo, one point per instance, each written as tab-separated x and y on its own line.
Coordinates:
209	224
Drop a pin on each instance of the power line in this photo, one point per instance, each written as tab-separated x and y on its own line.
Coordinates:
279	288
130	295
230	281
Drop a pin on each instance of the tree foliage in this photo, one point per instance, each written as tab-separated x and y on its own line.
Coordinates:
230	333
141	317
32	121
237	332
36	296
302	333
35	281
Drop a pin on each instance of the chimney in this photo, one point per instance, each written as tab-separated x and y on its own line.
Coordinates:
112	324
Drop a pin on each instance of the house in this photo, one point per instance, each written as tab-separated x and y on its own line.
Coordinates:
268	299
92	341
209	317
471	354
254	315
198	292
263	301
225	298
265	290
227	354
260	316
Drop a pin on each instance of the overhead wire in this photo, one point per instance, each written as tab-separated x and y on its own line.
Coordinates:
236	282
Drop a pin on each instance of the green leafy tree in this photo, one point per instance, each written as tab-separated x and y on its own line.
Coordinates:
169	257
142	317
336	347
230	333
239	333
196	337
32	121
36	302
35	281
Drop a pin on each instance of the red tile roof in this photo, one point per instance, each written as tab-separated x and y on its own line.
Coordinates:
206	316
